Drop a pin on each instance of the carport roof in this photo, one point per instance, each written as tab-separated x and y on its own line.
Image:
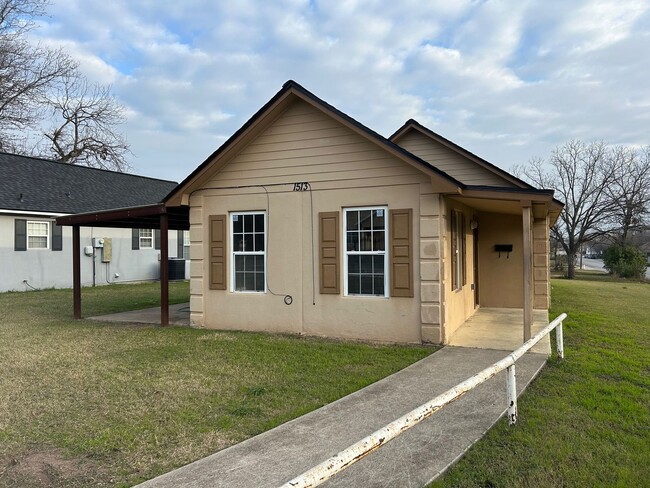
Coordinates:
142	217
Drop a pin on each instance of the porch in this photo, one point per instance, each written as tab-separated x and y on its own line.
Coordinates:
500	328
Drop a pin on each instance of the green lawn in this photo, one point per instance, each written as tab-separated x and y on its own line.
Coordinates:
94	404
586	420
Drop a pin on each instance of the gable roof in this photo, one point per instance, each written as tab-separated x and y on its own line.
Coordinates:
42	185
290	92
414	125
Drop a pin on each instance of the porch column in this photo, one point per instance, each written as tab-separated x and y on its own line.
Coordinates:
528	270
164	269
76	272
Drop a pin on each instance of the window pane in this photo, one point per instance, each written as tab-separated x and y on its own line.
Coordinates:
365	241
353	284
365	220
239	263
354	264
353	241
259	242
366	285
353	220
259	281
248	223
379	243
37	242
378	219
366	264
378	281
249	279
238	242
239	281
378	264
250	263
259	263
146	233
237	224
248	242
37	228
259	222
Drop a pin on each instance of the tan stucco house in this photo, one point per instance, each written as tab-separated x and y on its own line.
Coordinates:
306	221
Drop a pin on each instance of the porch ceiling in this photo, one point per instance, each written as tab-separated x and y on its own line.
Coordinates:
491	206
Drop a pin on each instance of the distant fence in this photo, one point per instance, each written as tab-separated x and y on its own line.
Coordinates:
325	470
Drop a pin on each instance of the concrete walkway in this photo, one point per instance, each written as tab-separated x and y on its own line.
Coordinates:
412	460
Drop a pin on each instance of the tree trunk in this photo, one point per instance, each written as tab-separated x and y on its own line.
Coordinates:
571	266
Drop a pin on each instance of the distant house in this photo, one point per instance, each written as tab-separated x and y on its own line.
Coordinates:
37	253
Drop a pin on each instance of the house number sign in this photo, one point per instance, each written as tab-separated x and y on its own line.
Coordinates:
304	186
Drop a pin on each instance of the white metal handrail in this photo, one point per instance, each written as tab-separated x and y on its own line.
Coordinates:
325	470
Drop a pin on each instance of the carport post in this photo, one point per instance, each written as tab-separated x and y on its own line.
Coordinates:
76	272
164	269
528	270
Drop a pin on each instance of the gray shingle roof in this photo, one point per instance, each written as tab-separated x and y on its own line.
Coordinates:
41	185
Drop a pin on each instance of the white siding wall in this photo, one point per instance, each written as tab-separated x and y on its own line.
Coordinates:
53	269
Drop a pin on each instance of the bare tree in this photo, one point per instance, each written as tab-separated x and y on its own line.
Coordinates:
580	173
27	72
37	82
84	129
629	190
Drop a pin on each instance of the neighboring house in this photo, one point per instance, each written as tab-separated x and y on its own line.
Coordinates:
37	253
306	221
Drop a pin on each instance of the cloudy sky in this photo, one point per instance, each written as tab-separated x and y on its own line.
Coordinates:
507	80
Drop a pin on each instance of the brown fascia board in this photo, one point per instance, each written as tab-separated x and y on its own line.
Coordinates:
507	193
412	124
290	91
529	194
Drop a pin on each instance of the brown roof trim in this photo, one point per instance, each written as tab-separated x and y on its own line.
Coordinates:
505	193
413	124
277	103
143	217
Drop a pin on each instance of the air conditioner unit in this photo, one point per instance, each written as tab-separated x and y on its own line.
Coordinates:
98	242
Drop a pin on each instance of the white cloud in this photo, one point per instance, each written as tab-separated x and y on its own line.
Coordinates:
507	79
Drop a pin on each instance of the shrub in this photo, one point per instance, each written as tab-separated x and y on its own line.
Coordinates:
625	261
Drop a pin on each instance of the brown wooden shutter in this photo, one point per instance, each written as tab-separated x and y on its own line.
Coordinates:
401	252
328	225
57	237
217	252
135	239
20	235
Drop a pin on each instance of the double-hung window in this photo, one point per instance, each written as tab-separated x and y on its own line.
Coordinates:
146	239
366	260
38	235
248	244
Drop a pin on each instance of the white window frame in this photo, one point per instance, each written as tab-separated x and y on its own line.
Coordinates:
143	239
234	253
186	244
347	253
47	234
